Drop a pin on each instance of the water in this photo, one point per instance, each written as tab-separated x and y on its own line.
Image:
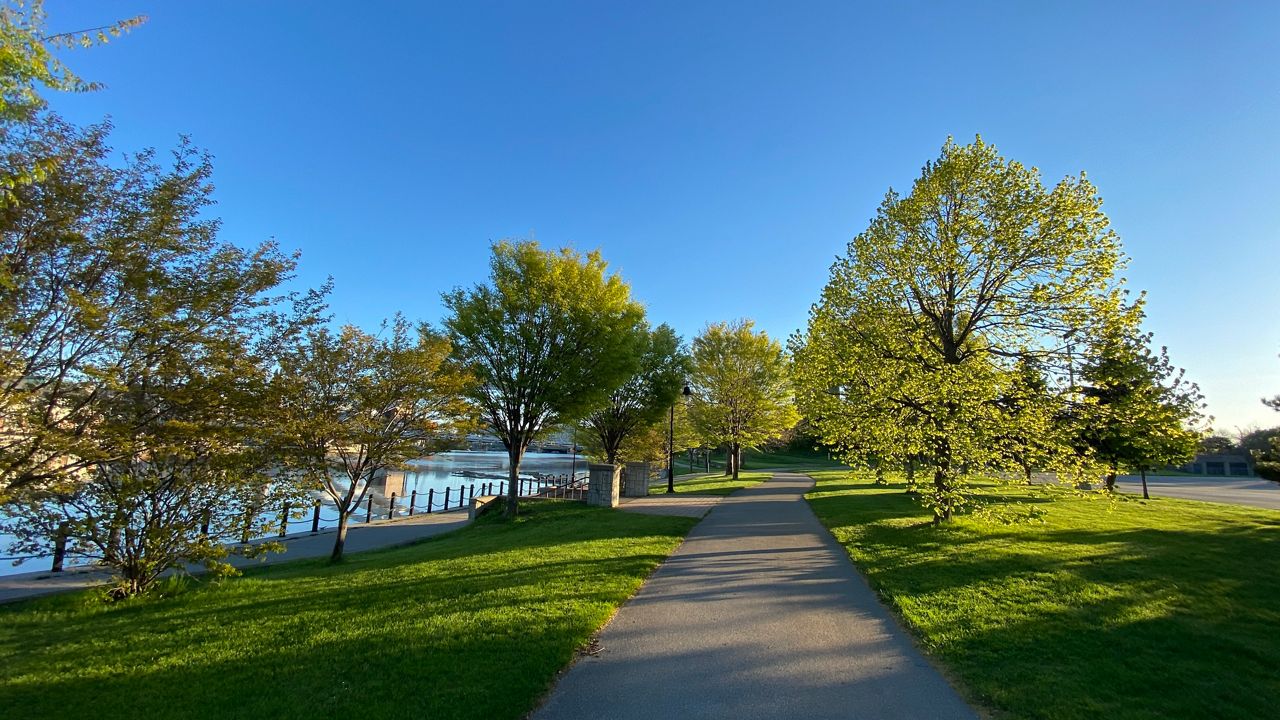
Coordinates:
455	471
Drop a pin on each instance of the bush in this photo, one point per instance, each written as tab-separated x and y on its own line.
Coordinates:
1269	469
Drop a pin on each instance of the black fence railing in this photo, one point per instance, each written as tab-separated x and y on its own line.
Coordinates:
450	499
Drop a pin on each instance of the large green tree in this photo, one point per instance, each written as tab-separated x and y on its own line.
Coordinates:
548	338
919	332
138	350
742	395
353	406
1138	411
643	401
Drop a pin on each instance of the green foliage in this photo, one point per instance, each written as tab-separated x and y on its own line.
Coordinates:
135	348
1216	445
354	405
1260	441
742	394
933	339
28	64
475	624
548	338
624	427
1268	469
1140	411
1120	609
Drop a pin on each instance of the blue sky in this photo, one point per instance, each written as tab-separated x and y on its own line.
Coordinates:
719	154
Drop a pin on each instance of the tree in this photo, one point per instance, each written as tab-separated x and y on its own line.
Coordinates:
136	360
1266	456
27	64
1141	412
548	338
1217	445
354	405
924	321
741	388
642	401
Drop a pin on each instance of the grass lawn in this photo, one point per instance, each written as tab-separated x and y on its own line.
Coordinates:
474	624
1130	609
713	484
764	460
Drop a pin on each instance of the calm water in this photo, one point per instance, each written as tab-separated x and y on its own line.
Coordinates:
453	470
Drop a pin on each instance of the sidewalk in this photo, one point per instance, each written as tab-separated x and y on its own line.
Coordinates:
360	537
759	614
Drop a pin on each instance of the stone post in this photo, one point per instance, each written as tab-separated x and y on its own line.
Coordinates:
637	480
602	487
387	482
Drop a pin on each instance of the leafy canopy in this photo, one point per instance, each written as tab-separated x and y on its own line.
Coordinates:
642	402
548	338
354	405
1140	411
914	348
742	394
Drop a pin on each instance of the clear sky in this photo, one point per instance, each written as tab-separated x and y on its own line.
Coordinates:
719	154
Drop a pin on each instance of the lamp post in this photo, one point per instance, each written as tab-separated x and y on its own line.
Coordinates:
671	443
1071	368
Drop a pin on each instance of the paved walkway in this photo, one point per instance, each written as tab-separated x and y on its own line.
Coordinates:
759	614
1254	492
681	504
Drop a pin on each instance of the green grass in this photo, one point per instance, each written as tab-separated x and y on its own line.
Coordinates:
765	460
713	484
1127	609
474	624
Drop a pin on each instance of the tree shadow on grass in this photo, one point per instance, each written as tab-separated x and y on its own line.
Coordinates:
424	631
1129	610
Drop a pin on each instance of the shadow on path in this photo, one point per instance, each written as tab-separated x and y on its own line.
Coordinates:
759	614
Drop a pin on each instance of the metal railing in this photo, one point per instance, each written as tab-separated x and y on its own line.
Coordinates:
432	501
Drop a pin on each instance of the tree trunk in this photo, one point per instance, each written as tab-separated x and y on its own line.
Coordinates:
341	541
728	460
737	460
1145	495
942	484
1111	477
880	474
514	455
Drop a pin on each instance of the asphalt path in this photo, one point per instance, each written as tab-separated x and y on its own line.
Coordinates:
1254	492
759	614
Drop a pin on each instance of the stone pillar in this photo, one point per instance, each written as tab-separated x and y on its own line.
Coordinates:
385	482
602	487
636	483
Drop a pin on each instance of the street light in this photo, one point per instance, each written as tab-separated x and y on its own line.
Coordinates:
671	443
1071	368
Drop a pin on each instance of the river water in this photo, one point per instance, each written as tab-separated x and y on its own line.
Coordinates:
459	472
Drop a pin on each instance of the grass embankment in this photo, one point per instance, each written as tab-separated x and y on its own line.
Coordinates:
470	625
764	460
713	484
1128	609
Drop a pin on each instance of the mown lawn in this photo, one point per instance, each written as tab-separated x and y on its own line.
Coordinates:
474	624
713	484
764	460
1130	609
